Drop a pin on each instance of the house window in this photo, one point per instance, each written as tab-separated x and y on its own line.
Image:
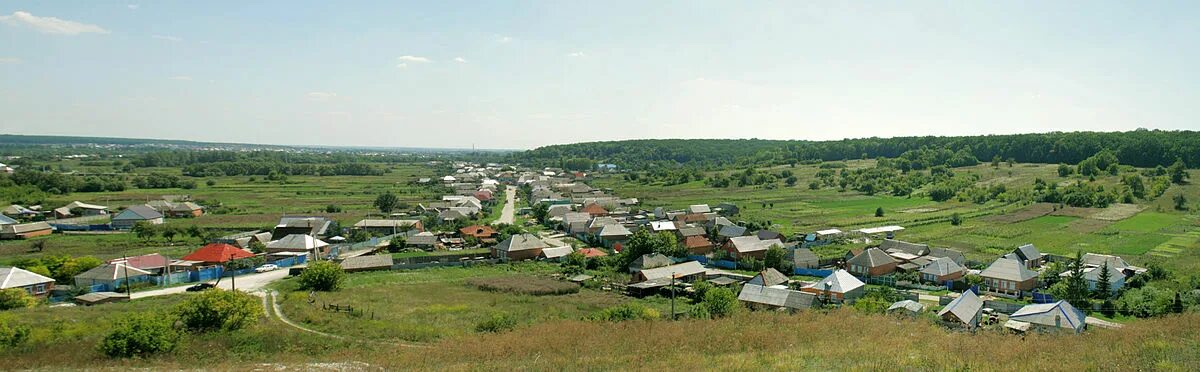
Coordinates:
39	289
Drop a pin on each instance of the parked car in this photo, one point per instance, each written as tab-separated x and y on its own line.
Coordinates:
266	268
200	287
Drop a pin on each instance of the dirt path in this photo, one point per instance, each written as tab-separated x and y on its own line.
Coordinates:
510	206
269	299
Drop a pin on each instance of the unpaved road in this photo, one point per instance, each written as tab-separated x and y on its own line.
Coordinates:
510	207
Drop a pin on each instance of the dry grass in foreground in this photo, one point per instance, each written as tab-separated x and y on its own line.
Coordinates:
837	340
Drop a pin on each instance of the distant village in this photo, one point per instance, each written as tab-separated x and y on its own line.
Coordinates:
554	215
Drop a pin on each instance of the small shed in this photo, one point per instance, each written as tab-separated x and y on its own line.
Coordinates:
367	263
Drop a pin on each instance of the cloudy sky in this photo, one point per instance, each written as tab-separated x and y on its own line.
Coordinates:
531	73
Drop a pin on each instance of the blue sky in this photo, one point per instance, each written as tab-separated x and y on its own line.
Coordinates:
531	73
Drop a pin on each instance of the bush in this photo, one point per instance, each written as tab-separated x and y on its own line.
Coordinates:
524	284
219	310
323	276
333	208
626	311
12	335
717	303
16	298
497	323
139	335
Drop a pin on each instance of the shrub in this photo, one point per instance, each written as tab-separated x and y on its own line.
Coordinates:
219	310
16	298
626	311
12	335
333	208
139	335
323	276
524	284
717	303
497	323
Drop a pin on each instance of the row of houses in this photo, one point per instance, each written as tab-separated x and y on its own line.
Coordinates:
75	213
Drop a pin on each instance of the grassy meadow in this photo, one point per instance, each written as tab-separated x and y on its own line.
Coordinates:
245	205
1145	232
434	304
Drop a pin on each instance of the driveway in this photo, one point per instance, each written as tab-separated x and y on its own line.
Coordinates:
510	205
247	283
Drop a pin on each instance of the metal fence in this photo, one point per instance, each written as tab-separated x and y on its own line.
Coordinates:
812	272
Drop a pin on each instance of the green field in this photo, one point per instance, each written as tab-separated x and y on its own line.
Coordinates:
243	205
433	304
1168	234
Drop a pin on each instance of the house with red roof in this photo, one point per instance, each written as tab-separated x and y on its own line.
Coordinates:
698	244
595	210
154	263
478	231
217	253
592	252
484	195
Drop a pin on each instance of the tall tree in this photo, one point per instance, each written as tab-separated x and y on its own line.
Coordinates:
387	202
1104	283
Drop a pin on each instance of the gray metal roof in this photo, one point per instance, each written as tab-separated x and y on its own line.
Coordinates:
1028	252
556	252
769	277
955	255
1008	269
138	213
907	305
839	282
15	277
367	262
112	272
614	230
521	242
1061	312
682	269
941	266
965	308
915	249
650	261
778	297
872	257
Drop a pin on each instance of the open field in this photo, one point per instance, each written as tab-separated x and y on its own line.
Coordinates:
433	304
989	230
244	205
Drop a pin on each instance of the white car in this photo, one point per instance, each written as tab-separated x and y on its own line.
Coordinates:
266	268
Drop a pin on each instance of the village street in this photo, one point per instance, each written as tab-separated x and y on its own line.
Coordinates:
246	283
510	205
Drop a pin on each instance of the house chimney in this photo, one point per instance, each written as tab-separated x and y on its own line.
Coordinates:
1057	321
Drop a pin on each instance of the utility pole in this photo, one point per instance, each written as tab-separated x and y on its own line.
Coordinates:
232	275
128	288
672	296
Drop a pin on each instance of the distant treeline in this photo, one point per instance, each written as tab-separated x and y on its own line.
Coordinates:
234	163
1142	148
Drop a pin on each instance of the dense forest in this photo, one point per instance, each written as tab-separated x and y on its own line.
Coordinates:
1142	148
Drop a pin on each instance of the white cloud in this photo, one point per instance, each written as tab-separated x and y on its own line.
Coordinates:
576	54
132	6
168	38
460	60
321	96
51	25
413	59
181	78
9	60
